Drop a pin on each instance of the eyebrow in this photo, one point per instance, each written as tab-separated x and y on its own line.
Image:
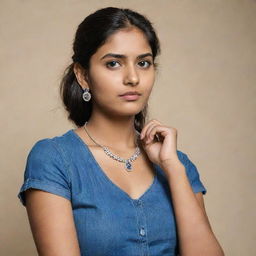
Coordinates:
121	56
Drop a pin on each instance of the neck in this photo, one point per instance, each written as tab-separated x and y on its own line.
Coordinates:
116	134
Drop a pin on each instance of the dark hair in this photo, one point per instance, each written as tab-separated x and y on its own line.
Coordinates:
93	31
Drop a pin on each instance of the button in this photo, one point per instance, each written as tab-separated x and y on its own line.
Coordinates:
138	202
142	232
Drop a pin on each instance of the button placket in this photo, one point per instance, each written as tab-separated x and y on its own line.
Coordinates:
142	228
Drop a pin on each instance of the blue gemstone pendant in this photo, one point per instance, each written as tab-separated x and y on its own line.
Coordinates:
128	166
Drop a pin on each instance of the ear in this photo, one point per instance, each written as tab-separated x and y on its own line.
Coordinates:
81	75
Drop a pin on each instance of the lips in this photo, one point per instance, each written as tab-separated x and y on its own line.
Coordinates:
130	93
130	96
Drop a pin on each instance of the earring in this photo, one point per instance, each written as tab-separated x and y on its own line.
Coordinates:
86	95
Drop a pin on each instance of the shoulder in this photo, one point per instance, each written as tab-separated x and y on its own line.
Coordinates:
192	172
54	149
52	144
47	168
48	160
182	156
186	161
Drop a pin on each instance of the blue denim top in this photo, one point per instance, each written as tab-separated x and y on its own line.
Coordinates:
108	221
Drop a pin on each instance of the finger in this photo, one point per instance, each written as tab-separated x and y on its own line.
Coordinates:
159	130
156	136
147	131
150	128
143	131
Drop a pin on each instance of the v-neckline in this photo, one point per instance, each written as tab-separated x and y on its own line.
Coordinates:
108	180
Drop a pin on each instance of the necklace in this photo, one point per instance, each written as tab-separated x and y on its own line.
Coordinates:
128	162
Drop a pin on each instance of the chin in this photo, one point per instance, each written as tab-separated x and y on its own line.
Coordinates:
128	108
127	111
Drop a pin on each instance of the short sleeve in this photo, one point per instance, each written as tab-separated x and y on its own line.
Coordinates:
192	173
46	170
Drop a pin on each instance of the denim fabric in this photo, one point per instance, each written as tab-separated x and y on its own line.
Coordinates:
108	221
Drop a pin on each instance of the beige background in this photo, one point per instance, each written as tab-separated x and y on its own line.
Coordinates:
205	88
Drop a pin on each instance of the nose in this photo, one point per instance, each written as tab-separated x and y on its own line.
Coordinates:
131	76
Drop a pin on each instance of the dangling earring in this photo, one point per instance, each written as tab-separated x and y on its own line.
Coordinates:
86	95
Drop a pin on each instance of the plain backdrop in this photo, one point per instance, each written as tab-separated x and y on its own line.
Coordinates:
205	88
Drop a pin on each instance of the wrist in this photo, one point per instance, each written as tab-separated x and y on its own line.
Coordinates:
170	163
172	167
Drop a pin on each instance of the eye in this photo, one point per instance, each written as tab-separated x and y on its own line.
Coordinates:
145	64
112	64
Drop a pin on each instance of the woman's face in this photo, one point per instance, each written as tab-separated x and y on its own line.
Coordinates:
123	64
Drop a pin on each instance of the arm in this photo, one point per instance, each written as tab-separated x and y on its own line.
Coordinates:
52	225
196	237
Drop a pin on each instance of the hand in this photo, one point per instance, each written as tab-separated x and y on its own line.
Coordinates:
160	143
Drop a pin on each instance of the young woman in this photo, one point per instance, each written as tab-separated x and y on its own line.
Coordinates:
115	185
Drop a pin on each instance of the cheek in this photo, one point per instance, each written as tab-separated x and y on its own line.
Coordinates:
148	81
104	82
105	88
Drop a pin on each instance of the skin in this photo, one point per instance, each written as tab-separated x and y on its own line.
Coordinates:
196	237
108	78
106	83
159	141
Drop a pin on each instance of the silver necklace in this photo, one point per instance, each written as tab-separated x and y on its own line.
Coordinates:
128	162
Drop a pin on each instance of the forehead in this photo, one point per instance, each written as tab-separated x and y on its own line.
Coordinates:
126	41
